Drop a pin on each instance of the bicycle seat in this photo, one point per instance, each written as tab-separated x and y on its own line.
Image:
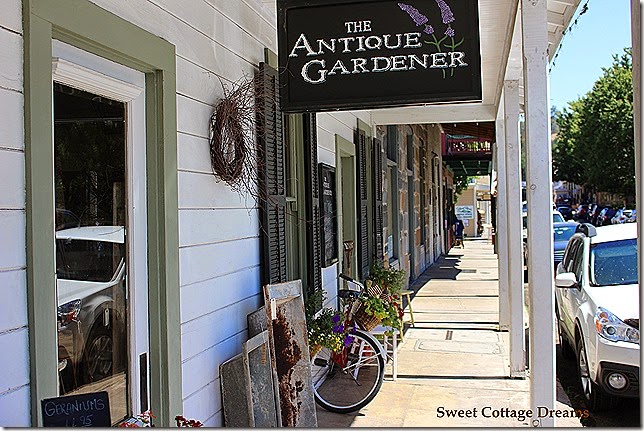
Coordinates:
348	293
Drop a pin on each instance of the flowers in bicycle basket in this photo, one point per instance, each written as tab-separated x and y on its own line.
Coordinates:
326	327
384	307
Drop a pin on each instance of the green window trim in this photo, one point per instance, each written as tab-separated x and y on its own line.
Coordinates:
87	26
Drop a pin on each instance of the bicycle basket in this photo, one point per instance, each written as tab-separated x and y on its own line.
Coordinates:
364	320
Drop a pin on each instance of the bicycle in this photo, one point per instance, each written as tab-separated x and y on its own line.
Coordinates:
348	380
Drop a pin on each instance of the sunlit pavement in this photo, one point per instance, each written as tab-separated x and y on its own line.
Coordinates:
453	367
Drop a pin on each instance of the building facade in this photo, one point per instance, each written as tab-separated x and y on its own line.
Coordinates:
128	266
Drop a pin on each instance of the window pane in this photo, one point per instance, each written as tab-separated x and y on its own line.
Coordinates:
90	179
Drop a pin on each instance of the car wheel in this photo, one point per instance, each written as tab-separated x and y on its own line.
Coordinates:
595	397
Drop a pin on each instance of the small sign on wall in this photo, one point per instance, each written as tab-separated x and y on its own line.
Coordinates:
464	212
85	410
328	214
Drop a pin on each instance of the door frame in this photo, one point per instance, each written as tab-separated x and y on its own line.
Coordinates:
345	153
86	26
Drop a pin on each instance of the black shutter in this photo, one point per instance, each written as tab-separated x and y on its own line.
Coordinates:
313	223
363	207
272	184
378	215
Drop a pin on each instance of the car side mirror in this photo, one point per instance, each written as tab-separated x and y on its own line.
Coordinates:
566	280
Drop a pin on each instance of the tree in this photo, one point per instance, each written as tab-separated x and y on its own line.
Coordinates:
595	143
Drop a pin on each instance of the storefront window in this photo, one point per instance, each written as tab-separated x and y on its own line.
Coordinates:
91	247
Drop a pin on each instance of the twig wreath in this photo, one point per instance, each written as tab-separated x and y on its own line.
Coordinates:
232	139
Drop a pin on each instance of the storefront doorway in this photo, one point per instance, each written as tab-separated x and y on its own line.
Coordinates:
100	229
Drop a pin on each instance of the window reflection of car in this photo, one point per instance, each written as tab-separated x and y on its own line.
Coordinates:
597	308
90	270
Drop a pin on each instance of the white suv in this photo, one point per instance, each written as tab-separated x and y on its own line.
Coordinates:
597	309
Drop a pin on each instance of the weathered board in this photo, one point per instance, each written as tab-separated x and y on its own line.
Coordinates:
289	347
247	386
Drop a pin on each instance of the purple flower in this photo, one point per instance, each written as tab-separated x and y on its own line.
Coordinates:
429	29
348	339
418	17
450	32
338	329
446	12
336	318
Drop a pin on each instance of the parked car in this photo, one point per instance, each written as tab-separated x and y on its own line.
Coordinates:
597	308
605	216
562	232
594	214
557	217
566	211
90	270
582	215
621	216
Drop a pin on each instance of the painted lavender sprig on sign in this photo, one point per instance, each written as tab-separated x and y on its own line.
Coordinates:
447	17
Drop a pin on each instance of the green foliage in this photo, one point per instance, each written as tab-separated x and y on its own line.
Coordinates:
384	307
390	279
595	143
461	182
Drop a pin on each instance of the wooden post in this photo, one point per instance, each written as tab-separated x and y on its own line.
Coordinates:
636	27
515	227
534	20
501	233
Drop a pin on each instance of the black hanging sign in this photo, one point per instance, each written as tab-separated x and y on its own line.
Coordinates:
85	410
357	54
328	214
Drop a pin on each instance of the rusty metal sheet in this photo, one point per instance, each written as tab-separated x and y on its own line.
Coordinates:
257	364
235	390
257	322
248	386
287	330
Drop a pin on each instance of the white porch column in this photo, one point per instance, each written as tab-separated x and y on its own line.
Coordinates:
636	38
515	227
539	182
501	234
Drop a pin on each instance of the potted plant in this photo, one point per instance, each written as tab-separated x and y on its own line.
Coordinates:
391	280
326	327
379	309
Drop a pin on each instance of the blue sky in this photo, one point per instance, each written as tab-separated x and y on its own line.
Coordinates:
600	33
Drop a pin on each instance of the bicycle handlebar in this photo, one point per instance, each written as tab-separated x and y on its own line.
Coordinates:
346	277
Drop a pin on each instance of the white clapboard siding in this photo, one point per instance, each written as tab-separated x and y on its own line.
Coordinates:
12	134
13	307
14	406
205	262
202	404
206	364
196	45
14	372
226	290
12	232
207	331
206	191
11	16
207	226
10	60
12	188
194	154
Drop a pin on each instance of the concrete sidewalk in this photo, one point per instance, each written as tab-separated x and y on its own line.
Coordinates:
455	360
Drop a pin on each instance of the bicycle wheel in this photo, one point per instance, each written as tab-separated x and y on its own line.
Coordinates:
347	389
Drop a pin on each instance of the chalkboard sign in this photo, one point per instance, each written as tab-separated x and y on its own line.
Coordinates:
86	410
328	214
